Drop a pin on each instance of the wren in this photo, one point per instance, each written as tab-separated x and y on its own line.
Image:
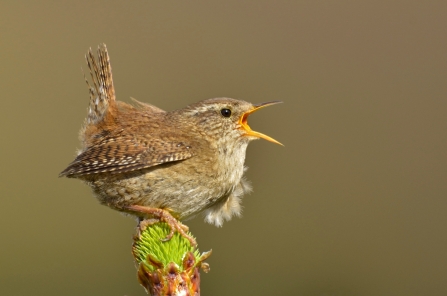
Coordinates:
159	165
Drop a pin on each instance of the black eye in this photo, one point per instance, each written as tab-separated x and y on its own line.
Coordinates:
225	112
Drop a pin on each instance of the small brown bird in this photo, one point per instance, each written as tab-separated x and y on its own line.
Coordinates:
163	165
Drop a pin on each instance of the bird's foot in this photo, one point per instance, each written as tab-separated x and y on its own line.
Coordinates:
161	215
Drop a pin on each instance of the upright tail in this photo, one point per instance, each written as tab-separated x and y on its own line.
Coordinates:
102	92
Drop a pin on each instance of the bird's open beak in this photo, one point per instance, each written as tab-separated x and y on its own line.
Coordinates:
248	130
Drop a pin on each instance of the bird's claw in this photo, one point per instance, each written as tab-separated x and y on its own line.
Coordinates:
162	215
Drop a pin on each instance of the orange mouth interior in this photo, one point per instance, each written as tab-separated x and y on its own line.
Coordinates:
243	121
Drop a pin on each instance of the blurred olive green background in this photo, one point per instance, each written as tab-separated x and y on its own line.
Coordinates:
354	204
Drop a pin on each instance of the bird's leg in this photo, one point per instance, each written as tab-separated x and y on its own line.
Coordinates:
161	215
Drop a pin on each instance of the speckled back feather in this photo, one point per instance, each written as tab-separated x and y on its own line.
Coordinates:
118	137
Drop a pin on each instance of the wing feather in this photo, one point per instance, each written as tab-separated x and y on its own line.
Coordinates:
124	155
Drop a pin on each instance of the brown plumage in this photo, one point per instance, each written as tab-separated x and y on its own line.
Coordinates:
148	162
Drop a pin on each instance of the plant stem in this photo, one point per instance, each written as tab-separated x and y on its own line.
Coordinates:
167	267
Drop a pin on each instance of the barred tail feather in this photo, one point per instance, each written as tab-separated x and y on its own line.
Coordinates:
102	92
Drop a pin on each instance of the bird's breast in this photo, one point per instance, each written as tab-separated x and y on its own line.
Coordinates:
186	187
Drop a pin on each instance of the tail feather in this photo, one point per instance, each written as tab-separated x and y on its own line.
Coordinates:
102	92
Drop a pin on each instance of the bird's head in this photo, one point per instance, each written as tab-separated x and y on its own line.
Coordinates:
225	119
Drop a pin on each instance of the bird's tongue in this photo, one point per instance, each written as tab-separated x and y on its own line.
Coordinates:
249	132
